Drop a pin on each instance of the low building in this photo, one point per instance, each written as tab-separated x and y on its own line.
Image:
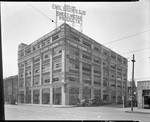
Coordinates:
10	88
143	92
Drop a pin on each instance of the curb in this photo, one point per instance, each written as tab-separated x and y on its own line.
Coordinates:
137	112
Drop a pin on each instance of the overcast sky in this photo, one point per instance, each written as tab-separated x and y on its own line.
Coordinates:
104	22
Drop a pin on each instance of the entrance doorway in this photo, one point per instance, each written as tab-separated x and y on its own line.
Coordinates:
147	102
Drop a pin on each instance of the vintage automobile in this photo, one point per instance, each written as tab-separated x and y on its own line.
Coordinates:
83	103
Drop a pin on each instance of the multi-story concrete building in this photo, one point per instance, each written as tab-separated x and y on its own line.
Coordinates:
65	66
10	88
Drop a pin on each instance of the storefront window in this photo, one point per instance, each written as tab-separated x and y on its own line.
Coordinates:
73	95
57	96
28	96
36	96
45	96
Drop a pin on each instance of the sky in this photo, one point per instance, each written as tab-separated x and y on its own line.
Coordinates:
104	22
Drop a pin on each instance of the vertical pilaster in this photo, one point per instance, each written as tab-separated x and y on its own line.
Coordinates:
51	66
18	82
40	82
116	83
63	95
40	96
80	92
31	72
92	74
92	93
24	74
102	80
63	63
31	96
80	66
51	96
122	81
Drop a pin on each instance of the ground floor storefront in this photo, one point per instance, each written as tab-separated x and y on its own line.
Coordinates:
67	94
143	94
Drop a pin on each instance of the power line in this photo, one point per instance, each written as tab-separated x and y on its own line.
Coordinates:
136	50
41	12
126	37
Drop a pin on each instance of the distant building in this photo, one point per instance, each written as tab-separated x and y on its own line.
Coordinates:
143	92
65	66
129	87
10	88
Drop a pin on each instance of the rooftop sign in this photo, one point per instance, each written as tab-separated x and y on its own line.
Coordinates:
69	14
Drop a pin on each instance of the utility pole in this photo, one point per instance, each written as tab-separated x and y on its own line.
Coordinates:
132	82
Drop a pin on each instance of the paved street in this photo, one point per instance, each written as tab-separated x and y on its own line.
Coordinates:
33	112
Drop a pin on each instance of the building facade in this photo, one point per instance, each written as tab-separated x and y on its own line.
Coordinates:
10	88
143	93
65	66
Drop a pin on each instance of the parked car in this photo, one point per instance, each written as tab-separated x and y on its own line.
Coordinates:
95	102
90	102
128	103
13	102
83	103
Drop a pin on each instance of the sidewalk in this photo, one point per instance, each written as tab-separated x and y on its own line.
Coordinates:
135	110
47	105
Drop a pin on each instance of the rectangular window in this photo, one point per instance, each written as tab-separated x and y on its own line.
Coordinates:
56	36
46	55
43	43
36	59
112	66
21	65
28	82
73	78
57	64
86	56
57	51
112	73
56	77
36	81
34	47
105	72
46	79
119	59
28	63
46	67
73	65
21	83
124	60
113	56
86	80
105	52
27	51
21	54
97	81
97	60
86	44
28	72
75	37
105	81
105	63
36	70
73	50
